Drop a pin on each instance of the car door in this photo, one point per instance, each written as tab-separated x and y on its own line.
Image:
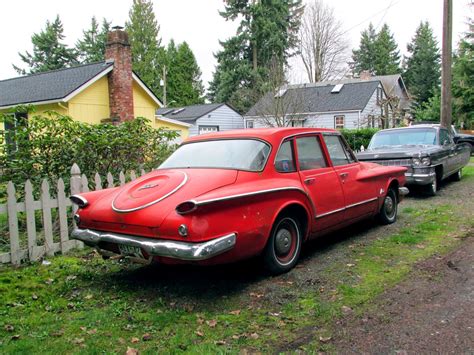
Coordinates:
360	196
320	181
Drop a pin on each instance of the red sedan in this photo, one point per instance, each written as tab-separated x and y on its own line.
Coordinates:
227	196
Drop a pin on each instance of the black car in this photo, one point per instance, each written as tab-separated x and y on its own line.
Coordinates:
463	138
428	151
457	137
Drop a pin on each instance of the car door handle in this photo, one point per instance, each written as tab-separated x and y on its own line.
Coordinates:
344	175
309	181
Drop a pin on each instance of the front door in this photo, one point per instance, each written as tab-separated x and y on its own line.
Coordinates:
320	181
360	196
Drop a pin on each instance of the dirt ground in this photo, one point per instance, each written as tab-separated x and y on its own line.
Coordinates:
432	312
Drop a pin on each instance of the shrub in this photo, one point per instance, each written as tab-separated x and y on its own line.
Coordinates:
47	145
358	137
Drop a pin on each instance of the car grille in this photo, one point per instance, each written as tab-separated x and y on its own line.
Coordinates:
393	162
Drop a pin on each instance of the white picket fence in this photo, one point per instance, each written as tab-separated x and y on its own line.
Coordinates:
33	242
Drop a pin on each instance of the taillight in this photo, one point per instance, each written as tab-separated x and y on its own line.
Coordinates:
186	207
79	200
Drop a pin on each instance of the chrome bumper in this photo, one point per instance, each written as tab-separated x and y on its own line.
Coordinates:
420	179
166	248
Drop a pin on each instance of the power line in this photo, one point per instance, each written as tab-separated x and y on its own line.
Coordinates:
392	4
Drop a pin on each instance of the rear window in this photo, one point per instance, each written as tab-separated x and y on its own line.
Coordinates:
239	154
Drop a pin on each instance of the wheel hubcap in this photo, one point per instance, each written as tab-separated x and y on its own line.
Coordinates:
389	206
283	241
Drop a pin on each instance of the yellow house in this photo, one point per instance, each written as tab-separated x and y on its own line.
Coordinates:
92	93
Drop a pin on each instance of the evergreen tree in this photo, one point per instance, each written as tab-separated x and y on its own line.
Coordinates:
422	73
364	56
49	52
184	84
387	56
91	48
377	52
463	79
268	32
143	31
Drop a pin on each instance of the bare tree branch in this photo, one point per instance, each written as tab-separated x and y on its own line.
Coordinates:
323	46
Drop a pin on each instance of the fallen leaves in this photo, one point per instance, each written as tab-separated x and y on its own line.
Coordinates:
346	310
131	351
199	333
146	337
211	323
324	339
9	328
135	340
235	312
256	295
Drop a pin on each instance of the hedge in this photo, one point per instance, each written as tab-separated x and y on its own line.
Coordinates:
358	137
47	146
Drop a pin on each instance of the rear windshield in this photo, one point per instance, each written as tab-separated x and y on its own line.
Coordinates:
240	154
400	137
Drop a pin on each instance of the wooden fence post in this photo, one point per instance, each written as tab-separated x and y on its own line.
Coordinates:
34	252
62	213
76	188
98	182
47	223
13	224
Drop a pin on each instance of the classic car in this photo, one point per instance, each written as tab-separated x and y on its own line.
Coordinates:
463	138
426	150
458	137
223	197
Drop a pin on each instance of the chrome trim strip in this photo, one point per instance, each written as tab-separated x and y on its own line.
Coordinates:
166	248
330	212
152	202
361	202
247	194
80	198
345	208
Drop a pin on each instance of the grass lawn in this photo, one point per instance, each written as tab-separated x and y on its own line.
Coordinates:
84	304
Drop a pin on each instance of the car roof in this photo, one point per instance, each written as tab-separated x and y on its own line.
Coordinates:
411	127
267	134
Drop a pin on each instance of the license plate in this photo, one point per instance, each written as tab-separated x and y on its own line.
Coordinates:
128	250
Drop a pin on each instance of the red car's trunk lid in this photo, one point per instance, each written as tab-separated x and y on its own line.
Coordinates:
148	200
145	192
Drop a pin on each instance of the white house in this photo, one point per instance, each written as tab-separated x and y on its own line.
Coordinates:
204	118
353	104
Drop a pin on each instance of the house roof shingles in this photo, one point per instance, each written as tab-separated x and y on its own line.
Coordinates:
48	86
318	98
187	113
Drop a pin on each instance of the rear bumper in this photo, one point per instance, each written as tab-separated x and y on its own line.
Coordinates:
165	248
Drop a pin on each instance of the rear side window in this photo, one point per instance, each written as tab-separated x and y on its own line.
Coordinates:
310	155
284	161
337	151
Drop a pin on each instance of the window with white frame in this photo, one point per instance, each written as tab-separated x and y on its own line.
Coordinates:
249	124
339	122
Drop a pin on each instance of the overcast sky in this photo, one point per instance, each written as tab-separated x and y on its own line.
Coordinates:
199	23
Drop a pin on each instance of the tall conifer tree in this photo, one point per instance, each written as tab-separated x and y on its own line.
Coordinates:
91	48
49	51
143	30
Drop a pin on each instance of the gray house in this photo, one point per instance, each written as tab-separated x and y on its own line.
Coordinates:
341	104
204	118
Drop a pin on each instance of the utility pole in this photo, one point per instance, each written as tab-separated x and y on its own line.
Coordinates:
446	58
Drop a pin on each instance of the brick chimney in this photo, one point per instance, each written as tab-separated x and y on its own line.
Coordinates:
120	78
